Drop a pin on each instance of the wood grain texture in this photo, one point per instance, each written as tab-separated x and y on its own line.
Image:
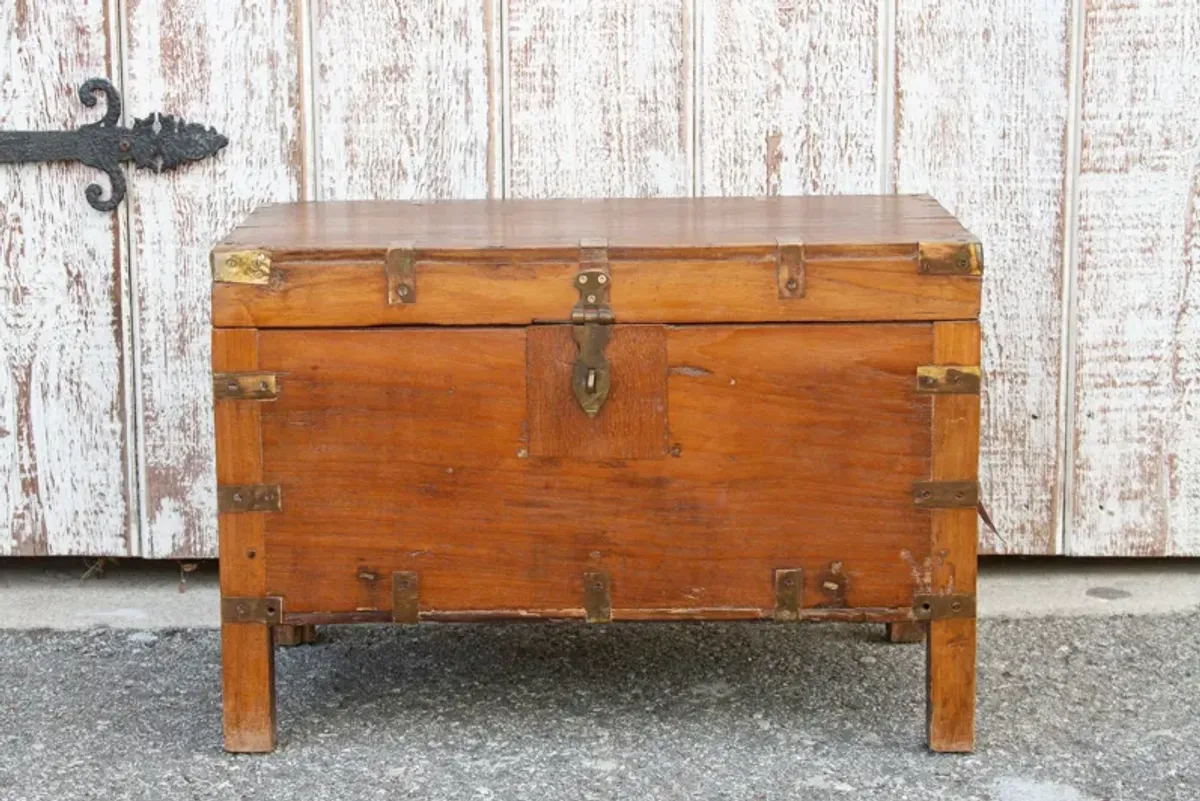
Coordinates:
981	115
787	97
951	646
247	655
632	423
64	437
403	95
599	98
710	260
1136	443
235	66
404	449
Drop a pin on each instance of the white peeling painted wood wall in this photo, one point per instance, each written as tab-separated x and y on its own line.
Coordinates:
1066	133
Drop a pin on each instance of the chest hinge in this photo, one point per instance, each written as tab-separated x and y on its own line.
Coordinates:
591	318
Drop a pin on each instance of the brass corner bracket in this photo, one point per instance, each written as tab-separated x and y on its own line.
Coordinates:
949	379
241	267
950	258
926	606
400	266
946	494
597	597
249	498
267	610
790	271
406	586
245	386
789	594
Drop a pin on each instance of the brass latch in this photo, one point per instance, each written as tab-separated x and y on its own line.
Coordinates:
592	316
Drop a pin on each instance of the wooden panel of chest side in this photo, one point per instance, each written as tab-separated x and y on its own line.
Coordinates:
407	451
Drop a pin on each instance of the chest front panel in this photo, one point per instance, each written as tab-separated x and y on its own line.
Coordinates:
745	449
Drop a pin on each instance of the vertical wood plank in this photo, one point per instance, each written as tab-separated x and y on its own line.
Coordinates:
788	97
1136	482
404	99
981	118
599	98
247	655
233	65
63	326
951	648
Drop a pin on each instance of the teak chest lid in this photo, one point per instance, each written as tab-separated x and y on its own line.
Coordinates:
514	262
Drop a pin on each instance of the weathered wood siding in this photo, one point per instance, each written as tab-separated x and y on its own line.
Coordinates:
599	98
406	101
234	65
1065	133
788	98
981	116
1136	443
64	367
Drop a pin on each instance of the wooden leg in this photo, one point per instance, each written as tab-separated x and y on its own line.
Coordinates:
951	691
248	678
287	635
905	631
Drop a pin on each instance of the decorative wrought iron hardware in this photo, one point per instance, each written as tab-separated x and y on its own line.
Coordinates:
592	375
158	142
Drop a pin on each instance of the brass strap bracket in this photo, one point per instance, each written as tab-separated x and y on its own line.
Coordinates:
241	267
789	594
405	590
249	498
950	258
591	377
941	607
948	379
245	386
790	269
267	610
946	494
401	274
597	597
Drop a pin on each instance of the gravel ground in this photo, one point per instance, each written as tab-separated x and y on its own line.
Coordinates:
1068	710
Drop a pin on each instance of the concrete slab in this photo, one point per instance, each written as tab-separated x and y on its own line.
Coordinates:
1070	709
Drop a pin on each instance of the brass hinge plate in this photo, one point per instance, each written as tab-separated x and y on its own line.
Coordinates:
790	270
591	376
399	264
950	258
597	597
946	494
245	386
249	498
405	591
941	607
789	593
948	379
242	267
267	610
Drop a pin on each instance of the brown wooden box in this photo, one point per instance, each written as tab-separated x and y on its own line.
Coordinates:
717	409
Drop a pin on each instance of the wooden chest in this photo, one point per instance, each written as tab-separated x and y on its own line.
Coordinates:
612	410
